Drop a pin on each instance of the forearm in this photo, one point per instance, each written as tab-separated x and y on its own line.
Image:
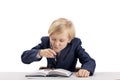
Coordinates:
90	66
29	56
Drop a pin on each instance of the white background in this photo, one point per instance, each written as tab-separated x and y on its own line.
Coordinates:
24	22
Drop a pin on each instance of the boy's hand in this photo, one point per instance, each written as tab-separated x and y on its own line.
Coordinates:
47	53
83	73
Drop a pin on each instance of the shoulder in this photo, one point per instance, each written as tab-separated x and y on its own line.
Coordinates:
76	41
45	40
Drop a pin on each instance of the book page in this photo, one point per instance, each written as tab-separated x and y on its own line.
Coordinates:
60	72
50	73
43	72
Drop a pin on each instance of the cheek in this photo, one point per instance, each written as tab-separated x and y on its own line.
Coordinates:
51	42
63	45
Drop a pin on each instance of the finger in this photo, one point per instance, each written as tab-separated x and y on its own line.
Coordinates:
50	55
84	73
52	51
79	73
87	74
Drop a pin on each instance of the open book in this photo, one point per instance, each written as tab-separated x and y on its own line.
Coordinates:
51	73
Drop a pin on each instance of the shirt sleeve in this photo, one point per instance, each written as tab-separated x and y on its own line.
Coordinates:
29	56
87	62
38	56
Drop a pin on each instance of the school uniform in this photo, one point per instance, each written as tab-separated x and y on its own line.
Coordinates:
66	59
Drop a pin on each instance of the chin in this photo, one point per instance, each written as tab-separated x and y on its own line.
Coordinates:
57	51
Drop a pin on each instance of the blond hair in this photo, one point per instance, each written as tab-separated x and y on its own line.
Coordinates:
61	24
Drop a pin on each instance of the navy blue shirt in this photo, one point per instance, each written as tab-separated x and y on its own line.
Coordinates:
67	58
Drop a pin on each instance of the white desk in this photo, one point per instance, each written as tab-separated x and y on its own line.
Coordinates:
96	76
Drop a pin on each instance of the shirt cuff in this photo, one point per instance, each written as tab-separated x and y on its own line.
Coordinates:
38	56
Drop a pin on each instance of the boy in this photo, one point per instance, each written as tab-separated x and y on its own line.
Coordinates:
62	49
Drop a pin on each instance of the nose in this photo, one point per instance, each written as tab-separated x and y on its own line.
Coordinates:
56	43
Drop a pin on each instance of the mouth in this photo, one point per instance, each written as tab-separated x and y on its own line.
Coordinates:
55	47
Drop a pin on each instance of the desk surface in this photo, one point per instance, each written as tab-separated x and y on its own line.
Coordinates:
96	76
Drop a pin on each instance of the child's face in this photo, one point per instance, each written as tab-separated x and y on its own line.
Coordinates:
59	41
